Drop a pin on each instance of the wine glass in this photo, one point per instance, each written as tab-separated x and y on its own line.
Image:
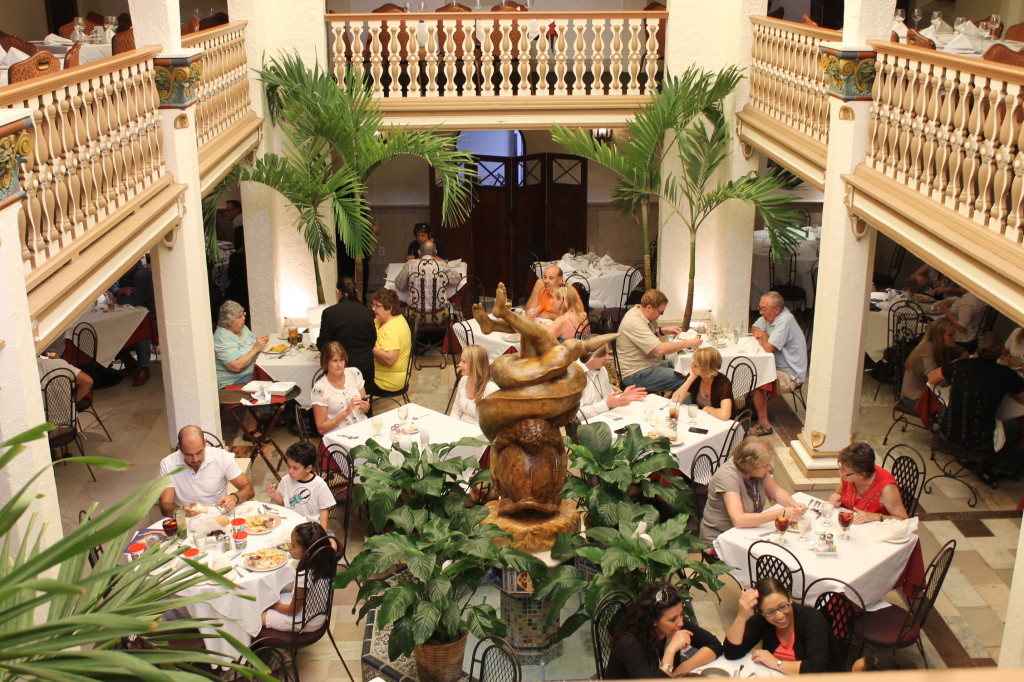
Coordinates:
110	23
995	23
403	413
986	30
899	15
959	24
804	526
936	20
692	411
781	526
826	513
917	16
648	409
845	519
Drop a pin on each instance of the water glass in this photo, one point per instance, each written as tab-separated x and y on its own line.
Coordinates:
199	540
899	15
403	413
649	408
936	20
826	513
917	16
692	411
804	526
959	24
377	422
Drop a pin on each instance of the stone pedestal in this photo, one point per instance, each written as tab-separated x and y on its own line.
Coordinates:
536	534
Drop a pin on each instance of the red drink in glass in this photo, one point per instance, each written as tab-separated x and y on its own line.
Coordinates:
845	519
170	528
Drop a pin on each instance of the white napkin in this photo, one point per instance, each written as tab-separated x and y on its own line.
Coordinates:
929	33
879	296
665	431
945	27
455	261
607	260
281	387
893	529
972	29
961	44
687	335
54	39
900	29
260	397
14	56
254	386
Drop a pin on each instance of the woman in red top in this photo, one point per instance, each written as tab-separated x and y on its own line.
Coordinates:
869	490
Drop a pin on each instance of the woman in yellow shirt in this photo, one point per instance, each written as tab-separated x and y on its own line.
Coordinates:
394	342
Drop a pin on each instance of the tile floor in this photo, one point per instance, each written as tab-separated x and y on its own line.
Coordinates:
971	608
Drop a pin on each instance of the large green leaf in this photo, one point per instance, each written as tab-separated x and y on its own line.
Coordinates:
395	603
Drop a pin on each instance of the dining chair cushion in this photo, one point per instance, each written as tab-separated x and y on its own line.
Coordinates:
884	627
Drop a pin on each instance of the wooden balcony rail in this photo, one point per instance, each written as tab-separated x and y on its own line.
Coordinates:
501	54
950	128
224	92
96	147
787	82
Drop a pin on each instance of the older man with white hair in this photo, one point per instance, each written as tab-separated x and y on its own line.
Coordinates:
778	333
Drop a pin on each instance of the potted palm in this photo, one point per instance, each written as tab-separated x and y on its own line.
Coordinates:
91	610
428	603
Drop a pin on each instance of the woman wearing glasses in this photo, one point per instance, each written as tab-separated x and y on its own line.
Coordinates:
653	640
794	638
866	488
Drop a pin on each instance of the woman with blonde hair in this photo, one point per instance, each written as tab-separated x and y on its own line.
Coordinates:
938	347
567	304
475	384
705	386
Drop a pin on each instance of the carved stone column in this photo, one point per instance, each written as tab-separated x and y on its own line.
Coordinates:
847	257
19	375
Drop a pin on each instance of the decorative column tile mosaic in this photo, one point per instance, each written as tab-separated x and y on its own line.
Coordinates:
529	633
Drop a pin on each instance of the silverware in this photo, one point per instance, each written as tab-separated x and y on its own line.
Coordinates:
737	674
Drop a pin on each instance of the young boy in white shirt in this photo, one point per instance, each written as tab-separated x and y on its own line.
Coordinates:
302	490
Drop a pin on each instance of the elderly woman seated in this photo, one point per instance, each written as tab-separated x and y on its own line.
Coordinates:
739	489
235	346
866	488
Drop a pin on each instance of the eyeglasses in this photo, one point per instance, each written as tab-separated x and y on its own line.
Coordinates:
376	305
781	609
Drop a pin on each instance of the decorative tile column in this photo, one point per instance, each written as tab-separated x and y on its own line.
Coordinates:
19	375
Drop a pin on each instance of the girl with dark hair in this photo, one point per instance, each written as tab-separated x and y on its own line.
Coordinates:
304	537
651	639
795	639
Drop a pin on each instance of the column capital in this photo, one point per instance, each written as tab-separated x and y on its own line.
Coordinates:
851	70
178	76
15	146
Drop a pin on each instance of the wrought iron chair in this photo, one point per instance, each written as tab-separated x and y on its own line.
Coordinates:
582	287
732	439
498	661
429	309
607	613
906	323
965	434
587	326
704	466
313	598
339	473
742	374
303	416
615	358
782	279
399	396
894	627
611	317
776	562
842	606
58	387
907	467
96	552
273	658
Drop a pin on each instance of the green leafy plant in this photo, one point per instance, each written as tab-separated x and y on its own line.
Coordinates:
60	620
337	139
445	561
430	480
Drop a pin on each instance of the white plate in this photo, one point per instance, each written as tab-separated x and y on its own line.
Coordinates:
898	541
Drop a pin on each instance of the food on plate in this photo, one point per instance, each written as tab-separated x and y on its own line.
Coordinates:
279	348
923	298
285	546
259	524
222	520
265	558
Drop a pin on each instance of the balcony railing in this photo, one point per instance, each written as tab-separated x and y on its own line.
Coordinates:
592	55
97	146
950	128
224	93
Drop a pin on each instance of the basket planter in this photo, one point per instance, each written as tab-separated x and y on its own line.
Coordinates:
441	662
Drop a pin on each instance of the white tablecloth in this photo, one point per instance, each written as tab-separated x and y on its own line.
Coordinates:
872	567
876	328
806	257
496	343
748	348
605	281
394	269
299	366
978	44
440	429
243	618
746	662
113	328
684	452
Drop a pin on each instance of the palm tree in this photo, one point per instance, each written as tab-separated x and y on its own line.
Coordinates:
637	159
337	140
89	611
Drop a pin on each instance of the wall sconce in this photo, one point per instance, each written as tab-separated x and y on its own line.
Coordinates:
601	134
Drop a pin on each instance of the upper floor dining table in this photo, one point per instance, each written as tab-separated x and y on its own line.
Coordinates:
115	329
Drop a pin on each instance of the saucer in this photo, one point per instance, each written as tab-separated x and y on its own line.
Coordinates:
898	541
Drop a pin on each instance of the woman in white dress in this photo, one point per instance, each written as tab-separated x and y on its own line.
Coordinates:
339	398
475	370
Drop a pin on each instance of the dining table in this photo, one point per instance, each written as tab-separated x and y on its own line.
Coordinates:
967	45
687	444
115	328
295	365
457	279
605	277
871	566
876	322
430	427
736	346
241	614
468	333
806	258
743	666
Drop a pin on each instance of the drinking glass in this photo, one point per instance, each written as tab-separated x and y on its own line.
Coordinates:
936	20
845	519
377	422
826	513
995	23
424	437
986	30
917	16
804	526
781	526
673	412
899	15
692	411
78	32
403	413
199	539
959	24
648	409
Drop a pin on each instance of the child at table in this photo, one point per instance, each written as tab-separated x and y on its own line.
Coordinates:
280	616
302	490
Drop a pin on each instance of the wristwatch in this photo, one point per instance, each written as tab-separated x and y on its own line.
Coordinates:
667	667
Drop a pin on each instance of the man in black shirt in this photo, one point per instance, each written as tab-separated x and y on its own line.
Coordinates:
350	323
423	233
977	387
